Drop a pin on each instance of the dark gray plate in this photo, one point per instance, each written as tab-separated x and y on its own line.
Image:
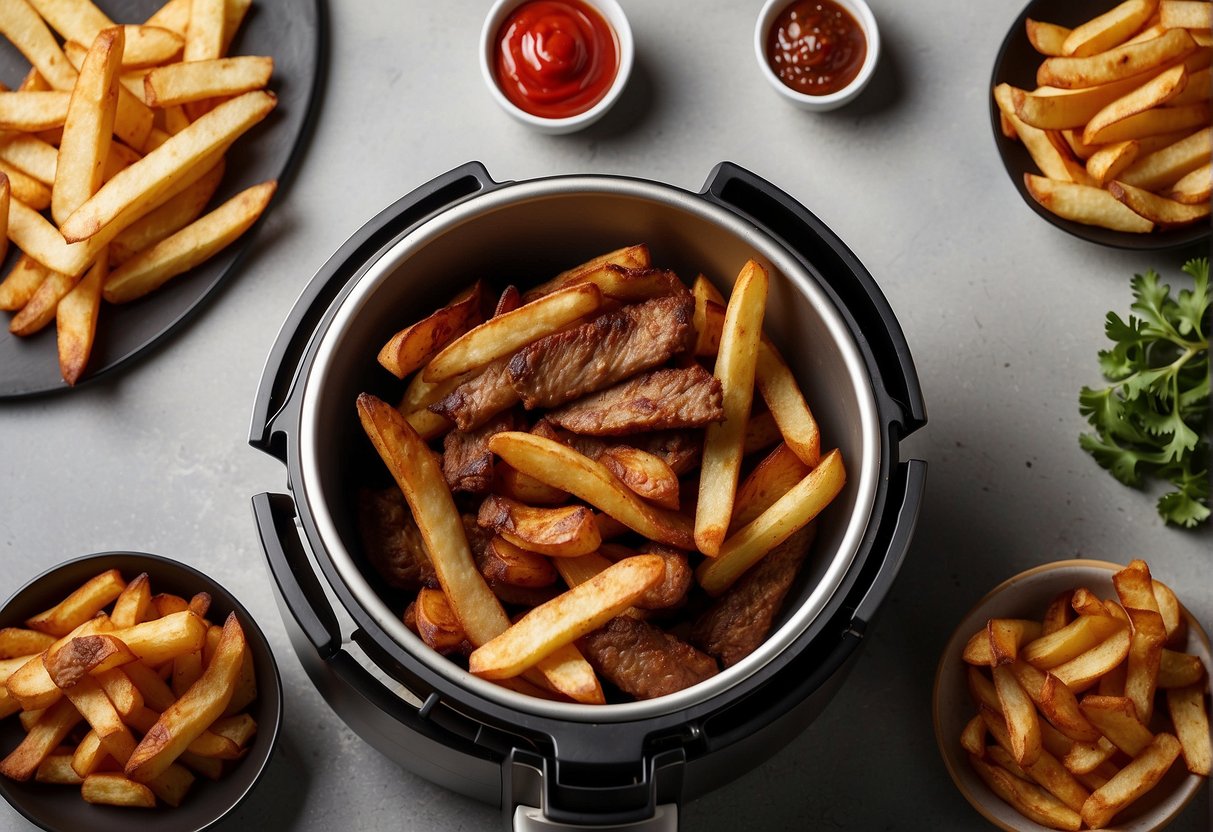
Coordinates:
60	807
1016	65
292	31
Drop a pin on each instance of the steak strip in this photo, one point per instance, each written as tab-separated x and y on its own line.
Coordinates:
467	463
678	398
478	399
644	661
612	347
392	540
739	621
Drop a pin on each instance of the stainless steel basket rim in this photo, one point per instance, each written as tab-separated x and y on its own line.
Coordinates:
330	345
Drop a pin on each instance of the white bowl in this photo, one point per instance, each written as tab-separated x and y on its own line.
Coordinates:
613	14
832	101
1026	596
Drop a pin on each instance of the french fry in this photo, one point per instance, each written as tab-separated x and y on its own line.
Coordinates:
76	321
1006	635
27	31
162	639
789	513
40	309
761	432
646	474
412	347
132	118
32	685
735	369
197	242
787	405
84	655
1085	669
505	334
92	703
239	729
186	82
1086	602
57	768
1048	156
1195	91
1168	164
1187	709
169	218
194	712
172	785
25	188
81	21
1047	38
30	155
41	740
233	15
629	257
1131	782
1058	613
1152	122
116	790
559	466
1117	719
21	283
973	737
503	561
152	177
567	617
1022	724
132	604
1145	654
773	477
1028	799
121	690
1178	670
88	126
167	604
18	643
1046	769
1110	29
631	285
1171	611
80	606
1107	163
1085	204
89	755
524	488
437	623
1115	64
1055	701
30	112
173	16
1185	14
1163	212
978	650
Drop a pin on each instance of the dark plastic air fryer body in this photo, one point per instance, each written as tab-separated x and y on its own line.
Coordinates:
546	771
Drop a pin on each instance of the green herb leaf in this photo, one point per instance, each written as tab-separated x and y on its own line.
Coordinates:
1150	422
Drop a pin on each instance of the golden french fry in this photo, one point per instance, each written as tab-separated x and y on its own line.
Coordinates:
149	179
172	785
736	365
29	112
1131	782
789	513
761	432
80	606
204	33
1109	29
1048	154
1047	38
30	155
25	188
1191	720
505	334
630	257
1006	636
787	405
94	654
1115	64
25	28
1085	669
196	243
1117	718
173	16
1152	122
1058	613
1046	769
973	737
169	218
1163	212
167	604
977	651
16	643
89	755
116	790
568	531
1075	638
559	466
194	712
1049	108
630	285
566	618
185	82
1196	90
162	639
524	488
76	321
1110	160
1178	670
773	477
57	768
1085	204
21	283
1086	602
88	126
121	690
81	21
504	562
31	684
1028	799
132	604
41	740
40	309
1185	14
132	118
416	471
1145	655
412	347
1022	724
437	623
92	703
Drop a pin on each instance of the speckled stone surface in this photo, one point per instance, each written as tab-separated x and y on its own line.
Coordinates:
1003	312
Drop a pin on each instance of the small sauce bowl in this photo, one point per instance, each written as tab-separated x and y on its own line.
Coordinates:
610	11
830	101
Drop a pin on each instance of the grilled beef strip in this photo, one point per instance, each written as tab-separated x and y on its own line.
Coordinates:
740	619
478	399
608	349
659	400
392	540
467	462
644	661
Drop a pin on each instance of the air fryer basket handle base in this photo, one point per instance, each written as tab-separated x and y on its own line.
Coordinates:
530	819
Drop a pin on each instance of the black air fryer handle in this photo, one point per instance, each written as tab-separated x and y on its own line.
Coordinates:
856	294
278	377
910	478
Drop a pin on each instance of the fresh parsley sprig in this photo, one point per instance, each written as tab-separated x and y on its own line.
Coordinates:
1151	420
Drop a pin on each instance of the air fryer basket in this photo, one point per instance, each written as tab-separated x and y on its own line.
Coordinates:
825	313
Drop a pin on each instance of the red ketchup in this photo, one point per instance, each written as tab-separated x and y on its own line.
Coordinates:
556	58
816	47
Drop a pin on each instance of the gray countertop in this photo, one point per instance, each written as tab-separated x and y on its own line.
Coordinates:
1004	314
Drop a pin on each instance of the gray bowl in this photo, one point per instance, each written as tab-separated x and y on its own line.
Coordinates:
56	807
